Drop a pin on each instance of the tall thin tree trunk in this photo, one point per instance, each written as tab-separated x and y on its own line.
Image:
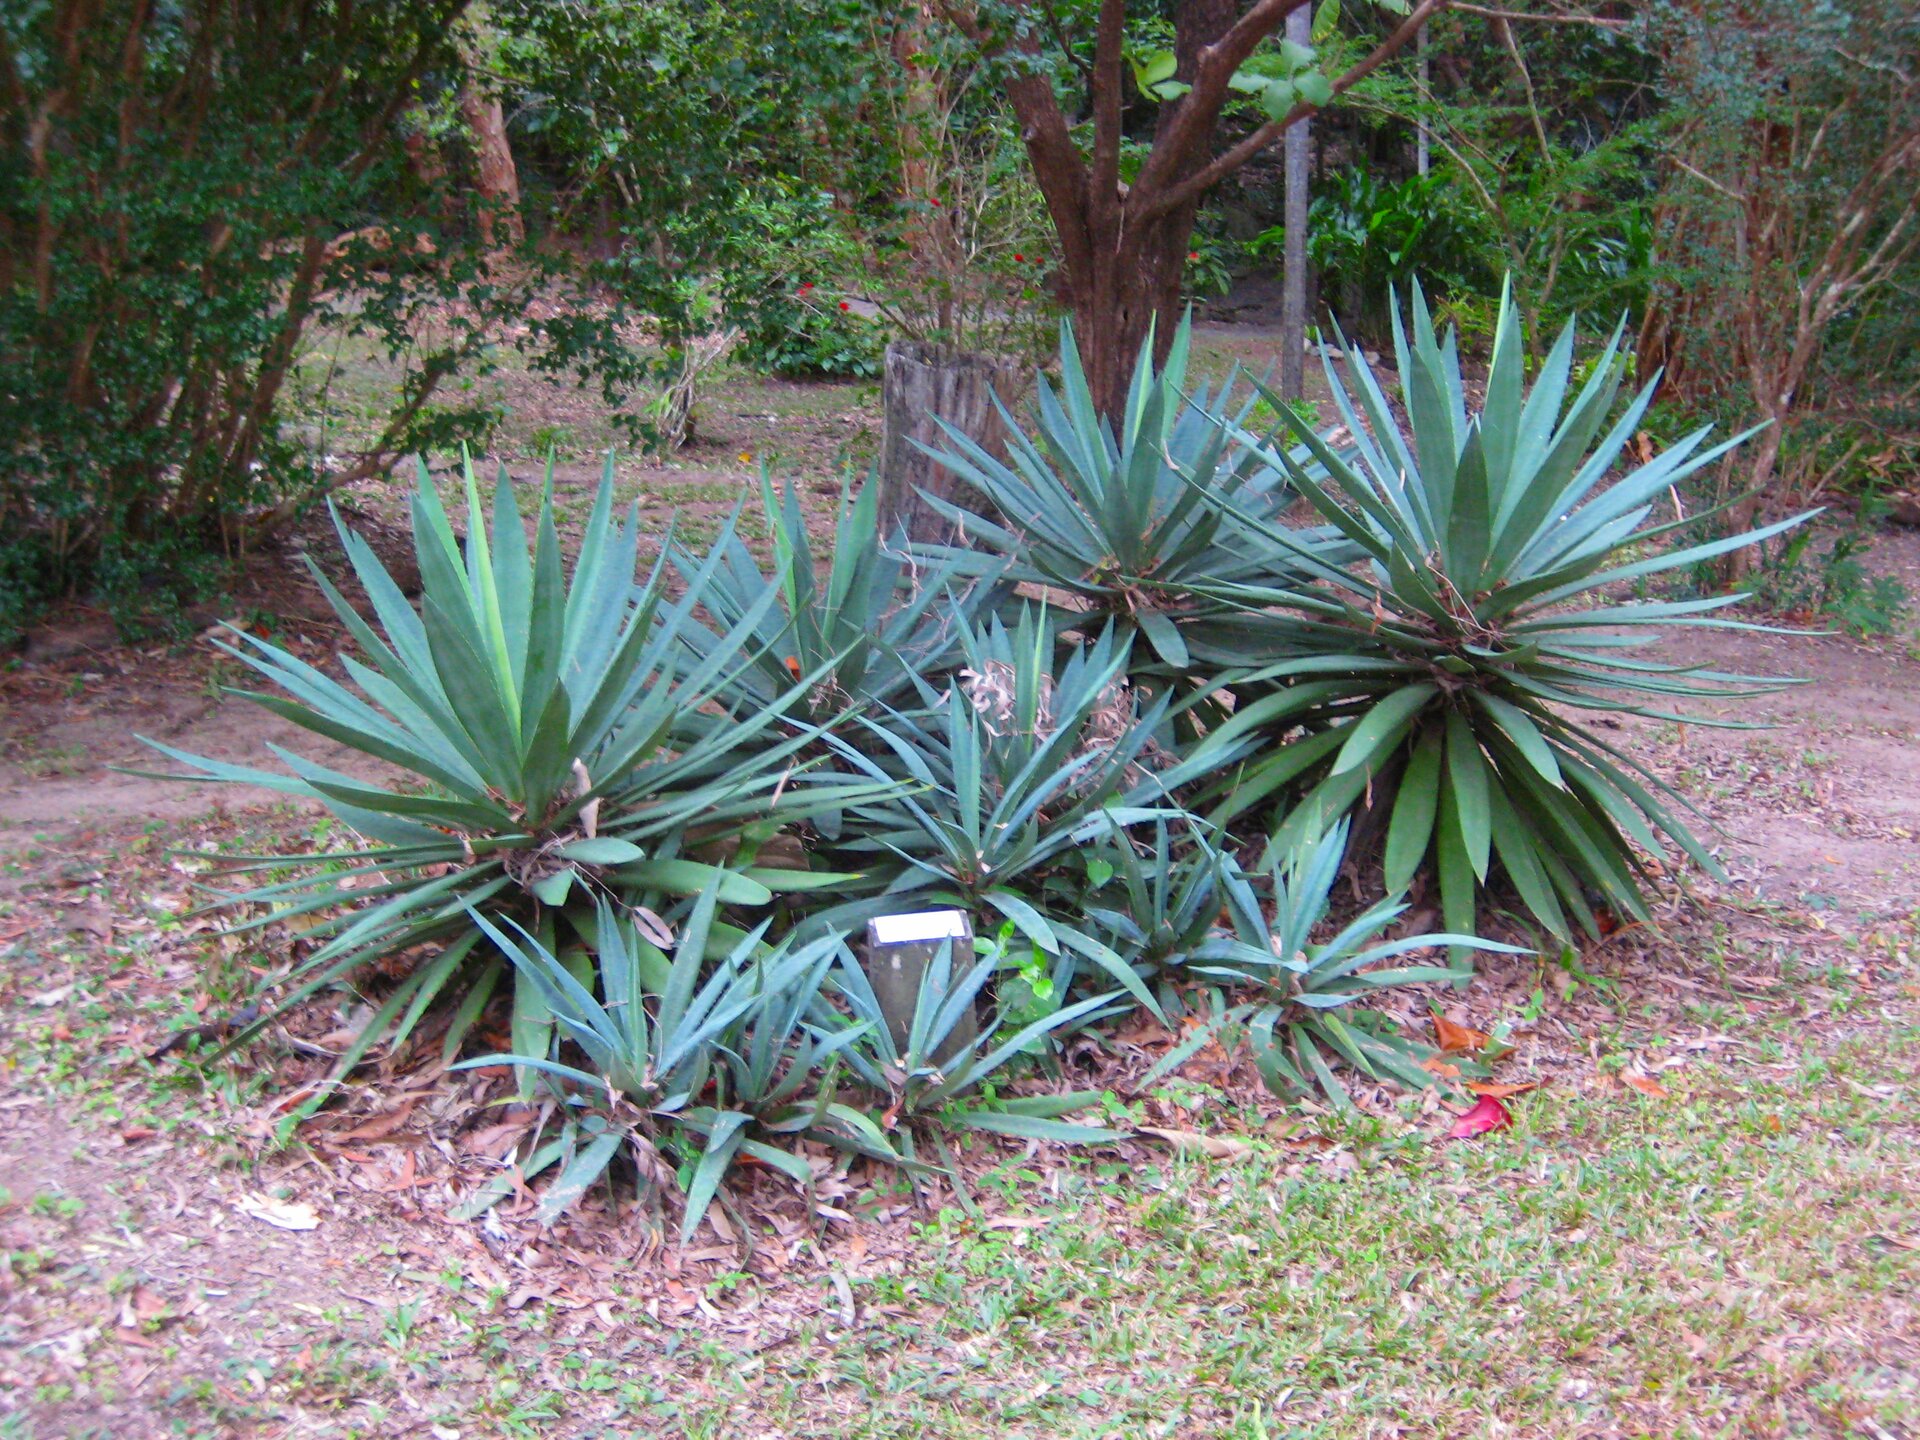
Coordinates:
1293	264
929	227
1422	141
1737	565
498	179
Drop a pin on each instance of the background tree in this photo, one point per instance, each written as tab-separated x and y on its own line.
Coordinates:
183	190
1123	244
1789	207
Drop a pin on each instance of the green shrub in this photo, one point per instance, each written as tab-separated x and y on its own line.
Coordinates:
1832	583
1369	235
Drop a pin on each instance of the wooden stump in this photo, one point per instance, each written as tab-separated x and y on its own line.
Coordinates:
923	385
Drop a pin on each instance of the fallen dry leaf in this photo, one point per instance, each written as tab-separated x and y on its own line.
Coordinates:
1487	1115
1452	1037
1494	1090
140	1306
1191	1142
379	1127
294	1098
282	1214
1646	1085
653	927
1435	1065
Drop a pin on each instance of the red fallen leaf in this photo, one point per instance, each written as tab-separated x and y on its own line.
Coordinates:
1487	1115
1494	1090
1451	1037
295	1098
1435	1065
1646	1085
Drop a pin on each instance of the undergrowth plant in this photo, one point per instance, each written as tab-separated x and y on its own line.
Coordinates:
864	617
691	1063
1307	1007
1032	753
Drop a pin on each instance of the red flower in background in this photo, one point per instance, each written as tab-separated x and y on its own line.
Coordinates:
1193	254
806	287
1020	259
845	306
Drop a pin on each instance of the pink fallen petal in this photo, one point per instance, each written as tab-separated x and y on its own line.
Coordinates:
1487	1115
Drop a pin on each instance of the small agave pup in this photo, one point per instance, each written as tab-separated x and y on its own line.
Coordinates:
549	763
1447	679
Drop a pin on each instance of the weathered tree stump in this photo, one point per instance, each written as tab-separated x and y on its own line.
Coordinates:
923	385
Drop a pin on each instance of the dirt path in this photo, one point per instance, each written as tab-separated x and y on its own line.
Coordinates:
1826	800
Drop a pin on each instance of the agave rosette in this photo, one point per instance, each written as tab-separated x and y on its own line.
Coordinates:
1141	524
865	619
554	747
1454	676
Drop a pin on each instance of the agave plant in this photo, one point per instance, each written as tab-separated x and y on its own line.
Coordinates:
1027	757
1310	1010
931	1071
553	744
1142	523
866	622
1155	895
704	1062
1448	679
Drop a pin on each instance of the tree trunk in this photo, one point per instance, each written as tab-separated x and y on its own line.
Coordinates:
923	385
498	181
1123	245
1293	265
1422	141
1133	289
1744	514
1129	284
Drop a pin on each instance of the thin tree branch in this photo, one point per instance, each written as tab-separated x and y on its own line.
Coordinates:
1707	180
1491	13
1104	96
1197	112
1225	164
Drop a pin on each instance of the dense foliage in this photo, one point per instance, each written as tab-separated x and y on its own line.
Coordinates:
186	254
176	233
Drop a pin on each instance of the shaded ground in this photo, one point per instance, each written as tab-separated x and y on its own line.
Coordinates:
1706	1222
